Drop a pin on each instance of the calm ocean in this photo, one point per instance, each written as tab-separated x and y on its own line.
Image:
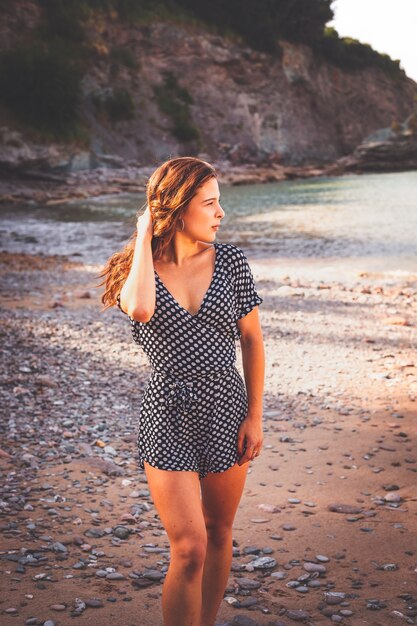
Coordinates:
369	220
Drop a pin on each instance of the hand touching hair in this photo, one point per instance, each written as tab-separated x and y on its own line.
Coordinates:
169	190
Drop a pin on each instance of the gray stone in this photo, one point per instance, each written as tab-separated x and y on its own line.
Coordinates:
315	567
153	574
121	532
95	603
243	620
344	508
59	547
115	576
297	615
248	583
264	562
334	597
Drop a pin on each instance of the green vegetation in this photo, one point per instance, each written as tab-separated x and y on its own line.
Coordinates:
174	101
123	56
260	23
351	54
41	87
117	105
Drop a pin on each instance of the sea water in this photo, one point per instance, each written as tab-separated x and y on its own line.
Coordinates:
367	222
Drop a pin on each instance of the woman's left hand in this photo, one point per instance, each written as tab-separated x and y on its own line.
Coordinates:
249	439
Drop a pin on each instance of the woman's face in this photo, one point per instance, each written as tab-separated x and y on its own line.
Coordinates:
204	212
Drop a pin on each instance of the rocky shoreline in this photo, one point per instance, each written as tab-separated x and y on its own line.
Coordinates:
395	152
49	188
324	533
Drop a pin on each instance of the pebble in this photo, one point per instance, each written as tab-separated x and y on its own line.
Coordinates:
269	508
95	603
115	576
248	583
243	620
122	532
264	562
392	497
334	597
344	508
315	567
297	615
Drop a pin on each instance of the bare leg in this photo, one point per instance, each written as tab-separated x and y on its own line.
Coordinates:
221	493
177	498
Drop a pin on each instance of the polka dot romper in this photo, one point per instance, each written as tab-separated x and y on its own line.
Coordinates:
195	398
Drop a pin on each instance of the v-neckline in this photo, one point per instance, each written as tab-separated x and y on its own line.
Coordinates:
216	258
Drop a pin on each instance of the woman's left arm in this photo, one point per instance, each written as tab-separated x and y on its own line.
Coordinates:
250	437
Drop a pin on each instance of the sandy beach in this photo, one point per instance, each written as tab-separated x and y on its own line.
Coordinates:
326	531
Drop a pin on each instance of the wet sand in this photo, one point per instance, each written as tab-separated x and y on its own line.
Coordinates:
326	528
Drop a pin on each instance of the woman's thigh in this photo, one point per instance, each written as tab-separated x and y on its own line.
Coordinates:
177	498
221	494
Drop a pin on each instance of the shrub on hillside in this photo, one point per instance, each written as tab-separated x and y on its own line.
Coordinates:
41	87
351	54
118	105
174	100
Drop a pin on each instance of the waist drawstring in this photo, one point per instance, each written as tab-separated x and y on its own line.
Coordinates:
181	393
180	396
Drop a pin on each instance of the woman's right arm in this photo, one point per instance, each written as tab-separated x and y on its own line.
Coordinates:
137	296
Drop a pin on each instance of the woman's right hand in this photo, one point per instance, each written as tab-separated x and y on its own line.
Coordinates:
144	223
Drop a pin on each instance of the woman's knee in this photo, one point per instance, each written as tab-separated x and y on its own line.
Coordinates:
218	533
190	553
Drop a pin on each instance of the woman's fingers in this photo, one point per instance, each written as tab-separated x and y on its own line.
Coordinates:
240	442
247	452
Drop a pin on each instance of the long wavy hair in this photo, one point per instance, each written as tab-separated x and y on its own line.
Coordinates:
169	191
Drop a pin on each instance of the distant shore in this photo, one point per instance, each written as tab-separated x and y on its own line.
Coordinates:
52	189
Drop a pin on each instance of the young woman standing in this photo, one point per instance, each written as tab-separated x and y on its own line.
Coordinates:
189	299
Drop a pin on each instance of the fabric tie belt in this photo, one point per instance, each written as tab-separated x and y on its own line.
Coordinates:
181	393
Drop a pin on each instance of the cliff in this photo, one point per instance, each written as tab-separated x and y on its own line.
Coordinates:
151	91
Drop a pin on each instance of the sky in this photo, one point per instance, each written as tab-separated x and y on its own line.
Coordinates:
388	26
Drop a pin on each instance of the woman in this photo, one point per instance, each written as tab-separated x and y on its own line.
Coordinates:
189	299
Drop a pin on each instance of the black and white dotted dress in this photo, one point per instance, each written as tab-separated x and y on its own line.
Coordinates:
195	398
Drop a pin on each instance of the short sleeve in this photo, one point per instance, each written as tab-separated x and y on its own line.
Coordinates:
246	296
118	304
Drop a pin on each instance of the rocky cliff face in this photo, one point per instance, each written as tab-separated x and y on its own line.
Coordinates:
240	105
